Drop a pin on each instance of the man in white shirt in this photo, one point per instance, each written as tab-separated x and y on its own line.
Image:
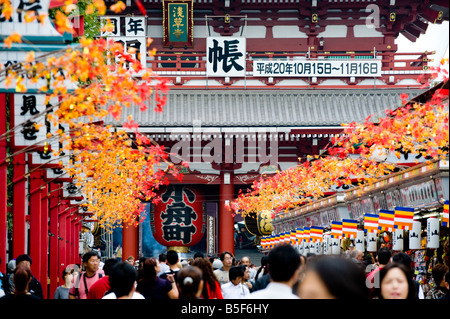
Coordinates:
284	269
235	289
163	264
122	279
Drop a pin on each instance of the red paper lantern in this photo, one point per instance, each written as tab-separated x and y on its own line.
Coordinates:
178	219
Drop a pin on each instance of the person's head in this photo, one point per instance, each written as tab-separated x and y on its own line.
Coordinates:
151	268
284	264
384	256
189	282
207	273
109	263
264	264
172	257
236	274
199	254
402	258
357	255
23	259
67	274
22	277
162	258
130	260
227	259
91	261
245	261
246	270
438	272
331	277
122	278
141	262
11	266
396	282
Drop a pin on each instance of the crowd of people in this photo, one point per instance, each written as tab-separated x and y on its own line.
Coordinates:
283	274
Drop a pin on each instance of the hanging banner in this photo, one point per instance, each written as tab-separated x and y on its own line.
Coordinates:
403	217
397	239
371	242
178	23
415	239
336	229
371	223
316	233
432	233
225	57
369	68
445	216
386	220
28	19
359	241
349	228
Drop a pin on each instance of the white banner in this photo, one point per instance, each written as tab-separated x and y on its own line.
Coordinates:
356	68
225	56
28	10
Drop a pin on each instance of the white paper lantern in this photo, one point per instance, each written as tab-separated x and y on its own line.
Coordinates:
318	248
301	248
371	242
415	239
433	232
312	248
397	240
327	244
359	241
335	246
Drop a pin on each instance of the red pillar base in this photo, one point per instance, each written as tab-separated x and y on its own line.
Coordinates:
130	236
226	220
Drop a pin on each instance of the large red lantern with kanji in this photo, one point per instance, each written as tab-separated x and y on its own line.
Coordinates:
178	219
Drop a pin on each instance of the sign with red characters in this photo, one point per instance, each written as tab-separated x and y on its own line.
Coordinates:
178	219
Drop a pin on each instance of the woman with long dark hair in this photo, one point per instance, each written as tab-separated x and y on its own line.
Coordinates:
396	282
22	278
211	288
153	287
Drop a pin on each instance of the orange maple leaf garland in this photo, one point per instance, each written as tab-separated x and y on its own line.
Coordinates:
420	129
114	171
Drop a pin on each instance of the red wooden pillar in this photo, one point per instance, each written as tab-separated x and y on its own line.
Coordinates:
226	220
74	235
3	185
44	235
35	224
19	205
66	240
129	242
53	239
61	237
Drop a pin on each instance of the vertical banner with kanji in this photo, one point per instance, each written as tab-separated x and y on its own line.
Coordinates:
132	37
225	56
178	23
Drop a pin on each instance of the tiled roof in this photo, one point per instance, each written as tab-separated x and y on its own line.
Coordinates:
258	108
